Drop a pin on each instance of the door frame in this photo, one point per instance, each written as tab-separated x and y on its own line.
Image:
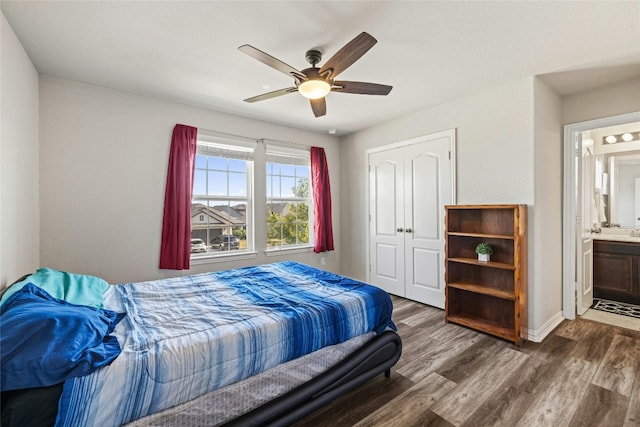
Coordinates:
451	134
572	146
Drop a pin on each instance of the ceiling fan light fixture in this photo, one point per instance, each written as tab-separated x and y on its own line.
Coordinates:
314	88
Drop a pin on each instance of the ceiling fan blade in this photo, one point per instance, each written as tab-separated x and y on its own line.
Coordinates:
349	54
319	107
269	60
361	88
273	94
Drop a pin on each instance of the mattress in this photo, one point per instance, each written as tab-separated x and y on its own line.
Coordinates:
185	337
223	405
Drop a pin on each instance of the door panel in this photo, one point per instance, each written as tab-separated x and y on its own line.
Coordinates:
386	243
425	196
587	201
386	261
428	176
386	175
586	297
427	268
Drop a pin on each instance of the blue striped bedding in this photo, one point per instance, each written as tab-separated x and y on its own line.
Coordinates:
183	337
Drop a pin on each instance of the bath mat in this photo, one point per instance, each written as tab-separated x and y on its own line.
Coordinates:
615	307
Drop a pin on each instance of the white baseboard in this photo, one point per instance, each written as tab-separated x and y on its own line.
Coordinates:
539	334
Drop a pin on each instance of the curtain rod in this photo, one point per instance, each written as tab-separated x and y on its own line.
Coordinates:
247	138
231	135
280	142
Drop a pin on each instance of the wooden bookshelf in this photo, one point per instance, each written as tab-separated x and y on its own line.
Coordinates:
487	296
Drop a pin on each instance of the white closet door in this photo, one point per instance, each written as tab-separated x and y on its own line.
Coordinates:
386	223
408	188
427	189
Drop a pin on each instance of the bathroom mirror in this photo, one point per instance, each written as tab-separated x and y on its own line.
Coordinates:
624	189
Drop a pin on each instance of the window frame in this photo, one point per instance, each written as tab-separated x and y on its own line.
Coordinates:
235	150
281	155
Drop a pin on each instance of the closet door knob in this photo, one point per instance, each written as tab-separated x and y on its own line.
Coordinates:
408	230
400	230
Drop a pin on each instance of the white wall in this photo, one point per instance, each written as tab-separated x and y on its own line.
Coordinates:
494	156
19	207
545	236
104	161
606	101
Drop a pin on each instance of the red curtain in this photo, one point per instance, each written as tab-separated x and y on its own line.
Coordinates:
323	229
175	248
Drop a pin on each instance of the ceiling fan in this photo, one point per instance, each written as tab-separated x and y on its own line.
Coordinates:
315	83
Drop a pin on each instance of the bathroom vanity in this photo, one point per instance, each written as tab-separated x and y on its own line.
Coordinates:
616	266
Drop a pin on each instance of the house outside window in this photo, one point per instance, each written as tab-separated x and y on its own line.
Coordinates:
222	203
289	198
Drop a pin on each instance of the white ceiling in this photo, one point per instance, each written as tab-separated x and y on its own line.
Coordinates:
430	51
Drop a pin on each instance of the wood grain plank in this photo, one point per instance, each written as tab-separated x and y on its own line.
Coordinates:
633	412
557	404
467	363
600	407
618	369
428	316
358	404
412	406
491	370
509	403
434	355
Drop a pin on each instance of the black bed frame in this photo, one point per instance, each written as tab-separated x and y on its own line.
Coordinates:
38	407
375	357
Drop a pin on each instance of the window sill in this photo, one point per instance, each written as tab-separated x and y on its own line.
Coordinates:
284	251
210	259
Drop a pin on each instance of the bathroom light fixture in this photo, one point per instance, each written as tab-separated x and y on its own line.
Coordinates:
314	88
622	137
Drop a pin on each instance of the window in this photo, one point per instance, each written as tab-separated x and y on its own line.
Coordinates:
288	198
221	207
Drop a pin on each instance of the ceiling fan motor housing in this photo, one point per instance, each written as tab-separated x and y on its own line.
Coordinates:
313	57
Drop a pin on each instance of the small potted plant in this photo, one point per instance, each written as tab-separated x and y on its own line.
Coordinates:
484	252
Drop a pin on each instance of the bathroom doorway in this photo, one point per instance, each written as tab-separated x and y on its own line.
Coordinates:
585	209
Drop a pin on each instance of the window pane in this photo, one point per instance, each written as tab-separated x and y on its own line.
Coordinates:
217	163
273	234
201	161
269	186
200	227
237	184
302	171
200	182
303	233
287	186
275	185
302	187
224	227
273	168
218	184
237	165
288	170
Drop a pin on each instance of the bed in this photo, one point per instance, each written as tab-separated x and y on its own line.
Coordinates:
262	345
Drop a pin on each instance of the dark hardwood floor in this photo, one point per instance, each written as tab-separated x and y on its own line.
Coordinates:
583	374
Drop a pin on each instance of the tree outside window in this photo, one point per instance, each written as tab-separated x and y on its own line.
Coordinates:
288	201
